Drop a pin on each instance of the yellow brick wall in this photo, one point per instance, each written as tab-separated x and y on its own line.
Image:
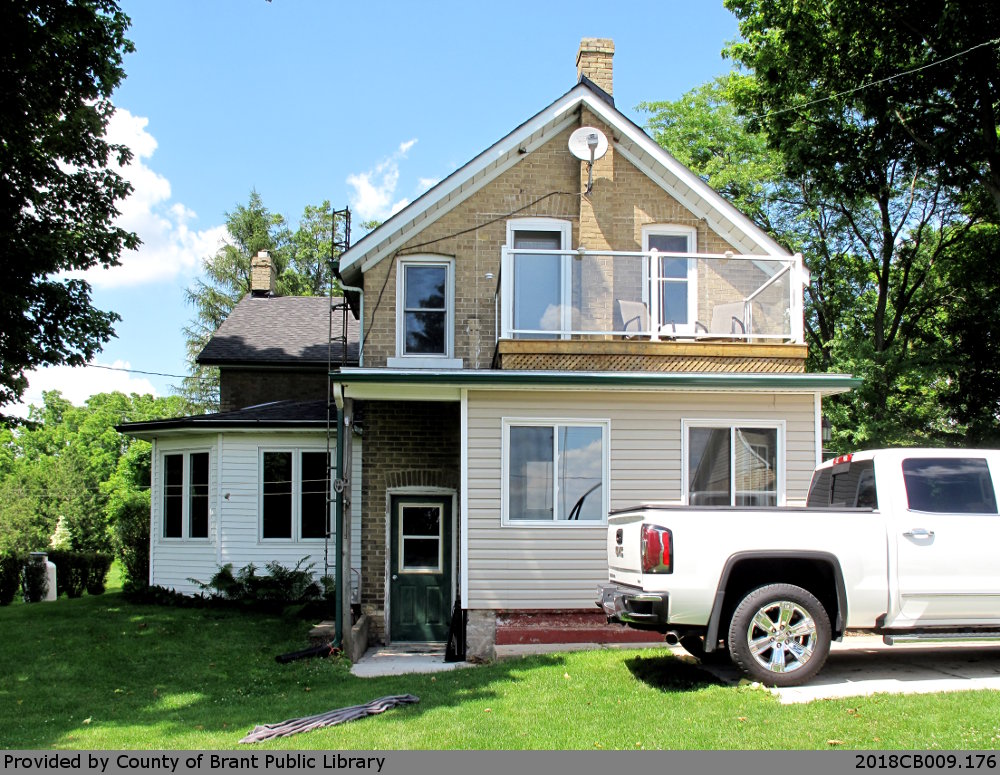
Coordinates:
622	201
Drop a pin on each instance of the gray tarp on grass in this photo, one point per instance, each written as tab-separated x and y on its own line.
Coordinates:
330	718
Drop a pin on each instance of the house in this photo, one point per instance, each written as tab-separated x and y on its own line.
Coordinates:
544	336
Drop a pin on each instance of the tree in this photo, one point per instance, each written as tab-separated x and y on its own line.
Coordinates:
873	294
59	65
58	467
302	264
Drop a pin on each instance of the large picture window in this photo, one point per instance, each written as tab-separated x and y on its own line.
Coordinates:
185	495
734	464
555	472
294	492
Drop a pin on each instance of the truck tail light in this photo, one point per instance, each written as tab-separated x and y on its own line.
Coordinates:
657	549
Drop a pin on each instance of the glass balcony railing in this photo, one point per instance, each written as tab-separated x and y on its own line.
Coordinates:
654	296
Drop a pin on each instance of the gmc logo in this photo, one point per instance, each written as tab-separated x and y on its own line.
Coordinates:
619	551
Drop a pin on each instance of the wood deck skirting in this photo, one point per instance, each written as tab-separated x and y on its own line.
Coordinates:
617	355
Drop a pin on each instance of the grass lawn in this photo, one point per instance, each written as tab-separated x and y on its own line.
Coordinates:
101	673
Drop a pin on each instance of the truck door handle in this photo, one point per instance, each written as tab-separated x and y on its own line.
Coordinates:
919	532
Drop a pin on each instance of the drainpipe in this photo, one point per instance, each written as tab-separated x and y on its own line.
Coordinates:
338	486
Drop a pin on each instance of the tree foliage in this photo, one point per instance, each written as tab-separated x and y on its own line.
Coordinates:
64	468
59	64
302	262
882	265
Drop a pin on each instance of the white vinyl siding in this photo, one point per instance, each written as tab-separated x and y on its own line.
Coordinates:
234	515
543	566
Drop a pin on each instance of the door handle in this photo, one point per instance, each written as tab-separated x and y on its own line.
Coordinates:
919	532
394	577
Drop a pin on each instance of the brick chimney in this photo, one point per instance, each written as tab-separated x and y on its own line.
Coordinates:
263	276
594	61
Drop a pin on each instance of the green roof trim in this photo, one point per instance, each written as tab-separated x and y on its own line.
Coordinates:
625	379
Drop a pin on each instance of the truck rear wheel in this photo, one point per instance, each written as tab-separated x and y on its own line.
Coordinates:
780	635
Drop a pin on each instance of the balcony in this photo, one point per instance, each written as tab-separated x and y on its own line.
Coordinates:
614	310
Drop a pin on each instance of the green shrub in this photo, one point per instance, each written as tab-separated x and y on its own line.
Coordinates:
100	565
10	575
72	571
34	581
279	588
129	515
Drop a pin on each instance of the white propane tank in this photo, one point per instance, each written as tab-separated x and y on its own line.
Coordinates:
50	574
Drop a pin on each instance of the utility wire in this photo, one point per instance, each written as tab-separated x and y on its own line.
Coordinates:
868	85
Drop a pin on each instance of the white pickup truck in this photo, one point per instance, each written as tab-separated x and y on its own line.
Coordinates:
901	542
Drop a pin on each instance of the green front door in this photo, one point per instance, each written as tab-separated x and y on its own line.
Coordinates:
420	568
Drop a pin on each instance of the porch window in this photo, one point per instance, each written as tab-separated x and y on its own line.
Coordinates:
555	472
185	495
672	281
734	464
294	488
425	301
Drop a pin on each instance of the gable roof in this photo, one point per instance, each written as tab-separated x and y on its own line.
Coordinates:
279	330
629	139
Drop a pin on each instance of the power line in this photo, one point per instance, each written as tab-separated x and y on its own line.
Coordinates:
868	85
150	373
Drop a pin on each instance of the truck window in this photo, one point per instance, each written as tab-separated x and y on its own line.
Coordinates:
819	489
852	487
949	485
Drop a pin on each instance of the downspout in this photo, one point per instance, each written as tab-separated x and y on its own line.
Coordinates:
338	487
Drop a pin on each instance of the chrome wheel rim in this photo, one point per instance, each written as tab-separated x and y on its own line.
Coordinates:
782	637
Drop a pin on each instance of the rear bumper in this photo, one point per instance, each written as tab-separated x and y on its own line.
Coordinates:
632	606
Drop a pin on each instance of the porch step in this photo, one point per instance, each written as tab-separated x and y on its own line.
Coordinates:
525	628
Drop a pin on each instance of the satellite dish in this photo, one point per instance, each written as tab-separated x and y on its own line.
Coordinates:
588	144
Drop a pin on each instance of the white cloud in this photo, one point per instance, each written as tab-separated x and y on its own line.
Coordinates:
79	383
169	245
374	190
425	183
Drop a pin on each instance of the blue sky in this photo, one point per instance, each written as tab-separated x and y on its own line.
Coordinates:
363	104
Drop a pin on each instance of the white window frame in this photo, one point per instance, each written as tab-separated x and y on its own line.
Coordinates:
445	360
402	538
185	535
296	532
603	424
653	301
565	229
780	456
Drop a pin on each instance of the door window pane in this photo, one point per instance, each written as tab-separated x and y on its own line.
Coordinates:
425	309
949	485
420	539
673	276
537	283
173	495
277	507
530	489
581	473
313	499
198	518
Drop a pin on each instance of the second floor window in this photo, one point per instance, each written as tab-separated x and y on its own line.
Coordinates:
424	312
674	280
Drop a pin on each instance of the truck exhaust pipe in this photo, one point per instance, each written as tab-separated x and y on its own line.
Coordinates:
673	638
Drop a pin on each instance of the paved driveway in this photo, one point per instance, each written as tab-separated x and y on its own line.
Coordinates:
863	665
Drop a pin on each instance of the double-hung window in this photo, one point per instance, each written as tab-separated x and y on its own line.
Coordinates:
425	313
671	281
733	463
185	495
555	471
538	286
294	488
